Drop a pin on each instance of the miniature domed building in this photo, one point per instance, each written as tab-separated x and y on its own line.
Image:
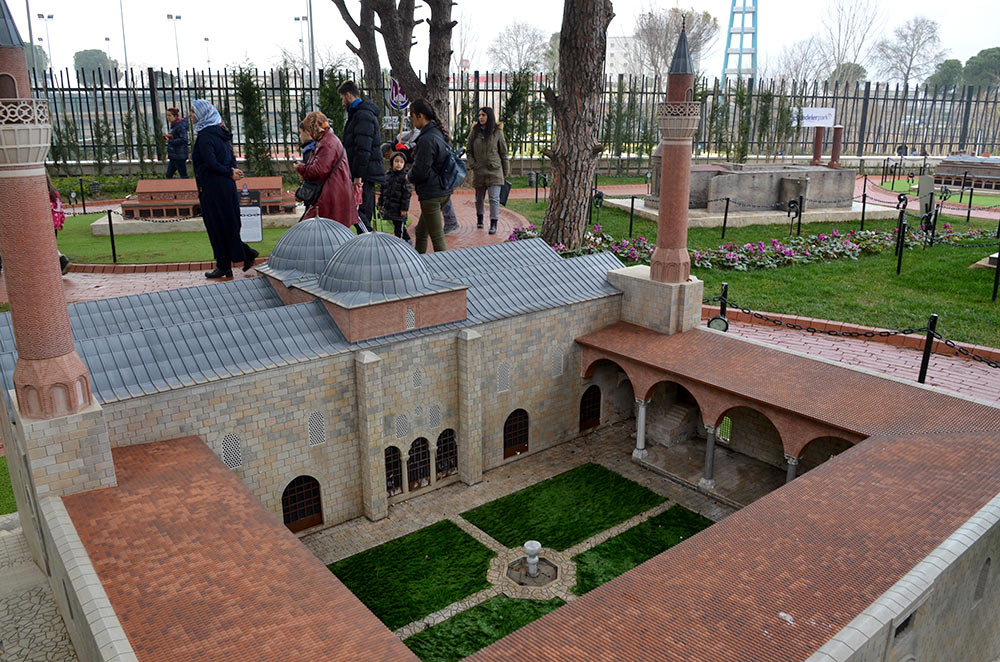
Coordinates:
305	249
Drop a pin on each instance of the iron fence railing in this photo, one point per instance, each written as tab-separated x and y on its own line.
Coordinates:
99	118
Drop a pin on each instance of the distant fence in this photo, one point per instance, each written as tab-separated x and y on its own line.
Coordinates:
98	118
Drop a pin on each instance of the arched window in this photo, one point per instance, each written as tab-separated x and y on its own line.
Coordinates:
515	434
393	471
446	458
301	506
418	465
984	575
232	451
317	429
8	87
590	408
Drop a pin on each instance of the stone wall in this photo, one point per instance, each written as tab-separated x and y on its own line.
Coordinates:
943	609
820	450
754	435
763	187
672	415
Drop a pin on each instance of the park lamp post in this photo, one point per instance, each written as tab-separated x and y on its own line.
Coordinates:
302	20
208	57
174	19
46	18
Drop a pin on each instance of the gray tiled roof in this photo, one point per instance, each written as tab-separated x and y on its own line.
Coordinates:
9	36
91	319
305	249
151	343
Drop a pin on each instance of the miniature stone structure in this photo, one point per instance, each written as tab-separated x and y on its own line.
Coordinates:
531	549
979	172
178	198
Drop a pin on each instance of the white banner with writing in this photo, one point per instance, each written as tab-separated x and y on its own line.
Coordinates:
817	117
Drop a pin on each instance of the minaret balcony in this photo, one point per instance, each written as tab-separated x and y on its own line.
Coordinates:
25	132
678	120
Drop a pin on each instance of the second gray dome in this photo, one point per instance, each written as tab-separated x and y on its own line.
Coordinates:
307	247
378	263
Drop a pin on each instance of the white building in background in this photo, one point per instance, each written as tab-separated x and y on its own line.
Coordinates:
619	58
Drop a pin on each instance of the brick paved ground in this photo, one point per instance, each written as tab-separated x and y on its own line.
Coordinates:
882	196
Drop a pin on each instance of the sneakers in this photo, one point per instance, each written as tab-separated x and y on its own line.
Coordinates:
448	229
251	256
63	264
220	273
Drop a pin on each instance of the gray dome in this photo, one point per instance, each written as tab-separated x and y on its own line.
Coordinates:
307	247
377	263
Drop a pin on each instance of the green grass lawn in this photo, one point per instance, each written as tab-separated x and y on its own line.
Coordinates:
978	198
866	291
522	181
625	551
465	633
410	577
564	510
7	504
79	245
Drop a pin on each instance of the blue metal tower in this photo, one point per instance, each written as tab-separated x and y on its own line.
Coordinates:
741	41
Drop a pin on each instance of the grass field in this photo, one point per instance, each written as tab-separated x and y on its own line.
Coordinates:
410	577
564	510
465	633
7	504
979	199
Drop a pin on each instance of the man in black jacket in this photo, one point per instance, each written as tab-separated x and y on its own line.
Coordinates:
361	140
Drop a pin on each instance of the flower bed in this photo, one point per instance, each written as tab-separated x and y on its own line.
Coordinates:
822	247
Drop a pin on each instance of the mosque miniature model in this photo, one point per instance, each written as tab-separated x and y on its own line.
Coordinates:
166	450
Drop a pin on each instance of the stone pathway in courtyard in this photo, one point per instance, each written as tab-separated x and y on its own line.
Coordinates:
31	628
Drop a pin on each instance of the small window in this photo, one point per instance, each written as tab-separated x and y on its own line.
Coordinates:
446	458
904	625
393	471
434	417
418	378
402	426
515	434
301	506
557	363
317	429
411	319
984	576
232	451
503	378
725	429
418	465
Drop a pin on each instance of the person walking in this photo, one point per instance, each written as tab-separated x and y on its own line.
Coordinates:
394	201
326	162
177	143
486	154
216	173
431	154
361	140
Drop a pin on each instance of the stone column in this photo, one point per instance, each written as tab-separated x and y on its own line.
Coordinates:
50	379
470	408
817	158
371	450
640	451
707	481
793	465
838	143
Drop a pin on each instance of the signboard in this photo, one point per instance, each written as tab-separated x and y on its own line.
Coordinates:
251	226
817	117
390	122
397	98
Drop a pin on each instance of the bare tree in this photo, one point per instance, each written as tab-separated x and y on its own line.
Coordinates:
518	47
582	48
551	56
848	28
464	44
656	32
364	32
912	52
397	23
326	59
800	61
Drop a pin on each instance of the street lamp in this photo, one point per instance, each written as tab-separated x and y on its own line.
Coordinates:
107	47
174	19
302	20
45	18
208	58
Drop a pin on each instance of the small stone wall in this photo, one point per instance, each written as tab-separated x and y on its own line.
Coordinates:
754	435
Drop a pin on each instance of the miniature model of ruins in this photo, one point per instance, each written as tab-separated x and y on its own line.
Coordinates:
164	448
981	172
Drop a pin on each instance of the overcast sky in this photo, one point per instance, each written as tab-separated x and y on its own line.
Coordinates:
257	29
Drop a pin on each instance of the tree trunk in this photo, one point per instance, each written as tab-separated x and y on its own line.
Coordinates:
366	50
397	33
582	46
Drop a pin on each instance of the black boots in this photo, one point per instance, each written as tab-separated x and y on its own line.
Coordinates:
493	226
251	255
479	221
219	273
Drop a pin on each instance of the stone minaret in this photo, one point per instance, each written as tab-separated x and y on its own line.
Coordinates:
50	380
678	120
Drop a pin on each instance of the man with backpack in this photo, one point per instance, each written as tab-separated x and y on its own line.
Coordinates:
361	140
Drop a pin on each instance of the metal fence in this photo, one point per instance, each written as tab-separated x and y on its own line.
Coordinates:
100	119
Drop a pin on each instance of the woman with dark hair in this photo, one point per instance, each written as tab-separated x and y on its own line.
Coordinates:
216	173
431	155
328	164
177	143
486	153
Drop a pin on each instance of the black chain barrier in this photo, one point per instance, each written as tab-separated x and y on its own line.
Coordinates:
965	352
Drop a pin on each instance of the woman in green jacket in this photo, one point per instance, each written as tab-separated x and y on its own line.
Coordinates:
486	154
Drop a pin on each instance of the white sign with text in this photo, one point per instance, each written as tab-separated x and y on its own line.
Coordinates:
817	117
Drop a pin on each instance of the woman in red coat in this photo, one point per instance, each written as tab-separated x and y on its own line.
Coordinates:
328	164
